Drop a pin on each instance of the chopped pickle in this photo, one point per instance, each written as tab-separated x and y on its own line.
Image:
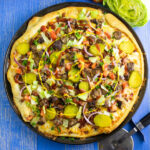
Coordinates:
135	79
50	113
74	75
84	86
71	111
29	78
54	56
102	120
93	49
127	47
23	48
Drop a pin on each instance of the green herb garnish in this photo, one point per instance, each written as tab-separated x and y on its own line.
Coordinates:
52	128
24	63
35	42
68	100
101	64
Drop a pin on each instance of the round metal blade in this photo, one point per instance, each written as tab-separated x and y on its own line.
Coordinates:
106	144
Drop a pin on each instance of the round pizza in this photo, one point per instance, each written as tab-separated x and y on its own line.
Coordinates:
75	72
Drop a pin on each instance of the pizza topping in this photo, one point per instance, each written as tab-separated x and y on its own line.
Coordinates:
29	78
22	48
117	35
50	113
135	79
127	47
70	111
102	120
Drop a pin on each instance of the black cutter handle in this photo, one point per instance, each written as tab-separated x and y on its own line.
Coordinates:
145	120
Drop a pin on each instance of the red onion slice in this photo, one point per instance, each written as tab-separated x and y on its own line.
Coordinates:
94	113
47	53
19	63
69	25
96	76
87	120
89	54
22	90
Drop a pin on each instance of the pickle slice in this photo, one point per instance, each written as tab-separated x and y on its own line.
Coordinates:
93	49
70	111
50	113
84	86
135	79
22	48
29	78
127	47
54	56
74	75
102	120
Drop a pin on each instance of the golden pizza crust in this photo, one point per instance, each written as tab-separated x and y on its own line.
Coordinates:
87	131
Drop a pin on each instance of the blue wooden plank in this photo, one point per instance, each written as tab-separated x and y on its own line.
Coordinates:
14	135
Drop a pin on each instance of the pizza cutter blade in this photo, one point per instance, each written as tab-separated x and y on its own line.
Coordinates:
122	139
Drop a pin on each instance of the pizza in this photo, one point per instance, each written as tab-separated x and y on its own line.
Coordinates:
75	72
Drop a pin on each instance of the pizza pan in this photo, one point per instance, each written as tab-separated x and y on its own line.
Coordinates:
8	87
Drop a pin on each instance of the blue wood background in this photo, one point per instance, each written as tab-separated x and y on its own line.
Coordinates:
14	135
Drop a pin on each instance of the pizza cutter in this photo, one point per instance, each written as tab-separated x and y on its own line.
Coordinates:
122	140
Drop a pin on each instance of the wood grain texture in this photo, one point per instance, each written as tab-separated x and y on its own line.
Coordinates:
14	135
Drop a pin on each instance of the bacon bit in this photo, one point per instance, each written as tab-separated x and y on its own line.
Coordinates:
112	75
98	31
79	65
42	113
36	70
19	71
108	35
27	98
105	73
53	35
29	117
50	23
124	84
93	65
68	66
86	65
113	107
57	31
82	103
69	87
43	28
81	59
86	43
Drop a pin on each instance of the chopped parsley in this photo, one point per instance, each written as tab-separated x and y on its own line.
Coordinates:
68	100
97	87
109	88
111	116
96	79
110	50
75	57
39	30
52	128
35	42
24	63
50	92
51	48
59	130
101	64
78	35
